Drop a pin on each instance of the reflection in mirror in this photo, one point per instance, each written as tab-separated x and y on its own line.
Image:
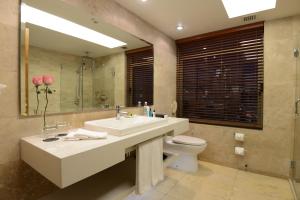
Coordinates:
140	76
80	62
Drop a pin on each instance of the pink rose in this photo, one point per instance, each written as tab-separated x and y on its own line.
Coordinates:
48	79
37	80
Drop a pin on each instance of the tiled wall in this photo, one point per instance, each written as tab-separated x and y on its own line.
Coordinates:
269	150
17	180
110	80
120	79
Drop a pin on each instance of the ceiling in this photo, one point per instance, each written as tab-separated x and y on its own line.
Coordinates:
199	16
55	41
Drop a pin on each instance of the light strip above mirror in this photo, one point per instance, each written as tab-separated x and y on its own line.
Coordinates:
235	8
55	23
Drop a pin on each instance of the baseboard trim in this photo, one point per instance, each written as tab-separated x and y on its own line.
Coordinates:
249	169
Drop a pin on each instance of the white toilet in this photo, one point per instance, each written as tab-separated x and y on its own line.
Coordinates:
187	148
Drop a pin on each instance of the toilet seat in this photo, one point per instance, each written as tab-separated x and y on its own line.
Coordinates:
187	140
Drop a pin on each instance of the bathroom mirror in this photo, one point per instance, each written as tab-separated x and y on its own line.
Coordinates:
71	61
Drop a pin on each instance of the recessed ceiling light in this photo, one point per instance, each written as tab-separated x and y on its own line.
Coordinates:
144	0
55	23
179	27
235	8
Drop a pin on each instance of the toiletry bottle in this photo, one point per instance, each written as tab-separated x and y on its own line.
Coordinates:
150	113
153	113
146	109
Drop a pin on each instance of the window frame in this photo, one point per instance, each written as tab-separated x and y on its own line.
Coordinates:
179	87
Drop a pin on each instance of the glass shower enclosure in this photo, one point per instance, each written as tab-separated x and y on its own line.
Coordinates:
87	84
295	164
79	96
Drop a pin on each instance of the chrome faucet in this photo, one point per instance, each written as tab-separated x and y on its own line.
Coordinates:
119	113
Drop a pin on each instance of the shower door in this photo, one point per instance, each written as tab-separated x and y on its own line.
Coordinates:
70	74
296	162
87	83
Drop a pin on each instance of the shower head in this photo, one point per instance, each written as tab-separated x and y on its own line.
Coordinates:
296	52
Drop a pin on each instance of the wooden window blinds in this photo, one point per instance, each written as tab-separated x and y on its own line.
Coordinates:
140	76
220	77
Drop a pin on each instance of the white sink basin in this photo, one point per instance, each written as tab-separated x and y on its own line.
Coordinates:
124	126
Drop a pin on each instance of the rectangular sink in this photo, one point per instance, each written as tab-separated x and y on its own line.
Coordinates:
124	126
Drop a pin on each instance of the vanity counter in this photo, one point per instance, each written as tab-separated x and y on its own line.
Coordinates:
67	162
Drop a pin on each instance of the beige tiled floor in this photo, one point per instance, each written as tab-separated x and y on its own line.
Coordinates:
214	182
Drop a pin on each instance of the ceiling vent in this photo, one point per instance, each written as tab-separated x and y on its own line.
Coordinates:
250	18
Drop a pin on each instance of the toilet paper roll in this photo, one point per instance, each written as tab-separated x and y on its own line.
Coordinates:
239	151
239	137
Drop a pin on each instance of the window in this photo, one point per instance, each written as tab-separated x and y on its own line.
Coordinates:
140	76
220	77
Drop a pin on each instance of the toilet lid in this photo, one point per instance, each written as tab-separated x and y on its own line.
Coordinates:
183	139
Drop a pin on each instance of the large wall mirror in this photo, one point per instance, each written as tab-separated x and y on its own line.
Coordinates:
73	62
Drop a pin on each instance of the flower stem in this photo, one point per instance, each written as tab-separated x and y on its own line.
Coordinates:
46	90
37	99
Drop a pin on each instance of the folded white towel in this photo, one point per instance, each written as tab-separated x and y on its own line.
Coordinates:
144	167
149	171
157	161
83	134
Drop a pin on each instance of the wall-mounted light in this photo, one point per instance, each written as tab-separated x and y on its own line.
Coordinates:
179	27
235	8
55	23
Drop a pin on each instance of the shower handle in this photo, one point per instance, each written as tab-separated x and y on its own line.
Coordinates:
296	105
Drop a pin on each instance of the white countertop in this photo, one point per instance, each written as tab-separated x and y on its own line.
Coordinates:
67	162
62	149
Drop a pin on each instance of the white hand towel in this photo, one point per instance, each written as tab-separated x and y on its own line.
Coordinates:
149	164
143	167
83	134
157	161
